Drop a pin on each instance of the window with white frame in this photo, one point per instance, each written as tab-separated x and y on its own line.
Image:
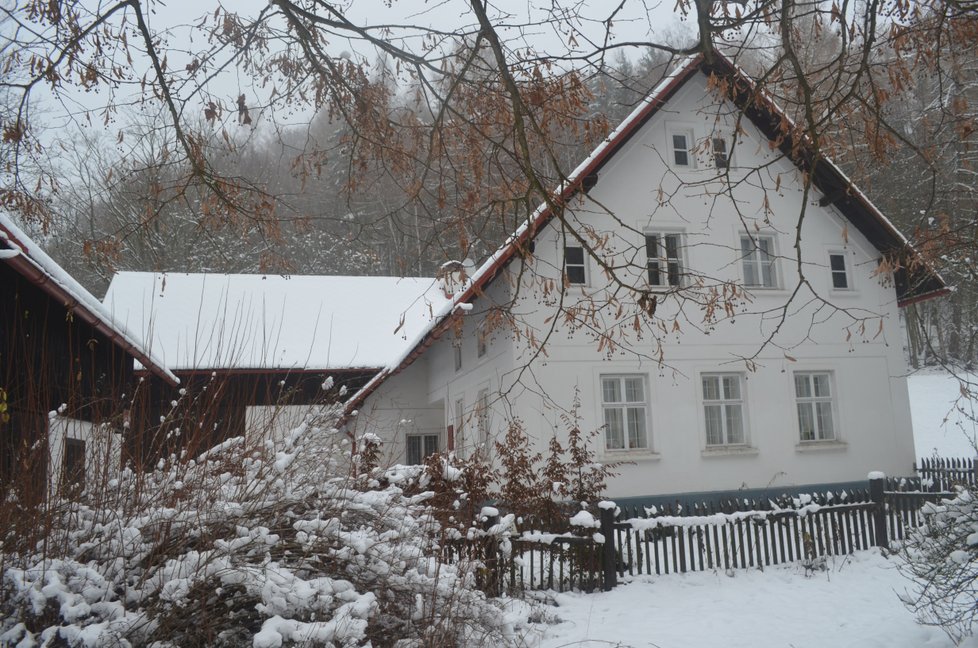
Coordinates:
721	158
759	261
575	268
664	259
420	447
481	341
625	407
813	396
723	409
681	142
482	414
839	270
459	424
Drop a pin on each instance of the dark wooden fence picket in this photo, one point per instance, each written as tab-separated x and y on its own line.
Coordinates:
705	536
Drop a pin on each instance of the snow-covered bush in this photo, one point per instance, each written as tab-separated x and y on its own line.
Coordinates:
244	547
942	559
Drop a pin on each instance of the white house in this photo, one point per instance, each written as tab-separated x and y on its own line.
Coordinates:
720	327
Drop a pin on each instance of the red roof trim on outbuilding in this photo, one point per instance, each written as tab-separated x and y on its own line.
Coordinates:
33	271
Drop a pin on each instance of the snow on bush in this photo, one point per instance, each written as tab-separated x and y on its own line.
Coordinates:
942	560
236	548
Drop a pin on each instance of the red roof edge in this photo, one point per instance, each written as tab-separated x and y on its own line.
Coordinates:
933	294
26	268
571	186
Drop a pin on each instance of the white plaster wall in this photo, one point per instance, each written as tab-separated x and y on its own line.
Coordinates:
400	407
856	335
103	449
274	422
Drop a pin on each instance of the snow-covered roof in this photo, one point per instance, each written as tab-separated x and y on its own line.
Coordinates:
27	258
240	321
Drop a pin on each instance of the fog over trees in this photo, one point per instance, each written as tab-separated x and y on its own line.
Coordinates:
429	143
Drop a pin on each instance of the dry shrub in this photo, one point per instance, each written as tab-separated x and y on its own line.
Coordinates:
264	546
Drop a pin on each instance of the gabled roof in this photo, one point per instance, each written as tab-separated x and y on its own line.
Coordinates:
243	323
27	258
917	284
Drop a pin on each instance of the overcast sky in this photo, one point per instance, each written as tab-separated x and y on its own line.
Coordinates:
523	23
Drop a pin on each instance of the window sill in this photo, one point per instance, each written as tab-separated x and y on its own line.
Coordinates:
730	451
631	455
821	446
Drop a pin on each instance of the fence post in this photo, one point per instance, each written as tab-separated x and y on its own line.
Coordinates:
877	480
974	471
494	579
609	565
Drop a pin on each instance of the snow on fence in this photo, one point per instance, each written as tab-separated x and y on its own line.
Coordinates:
942	473
725	534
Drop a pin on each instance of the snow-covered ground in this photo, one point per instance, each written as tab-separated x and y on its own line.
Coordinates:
853	604
943	421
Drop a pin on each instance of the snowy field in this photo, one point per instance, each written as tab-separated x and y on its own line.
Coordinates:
854	604
851	605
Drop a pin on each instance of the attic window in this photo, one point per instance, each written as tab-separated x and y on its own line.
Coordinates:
680	149
840	273
720	156
574	267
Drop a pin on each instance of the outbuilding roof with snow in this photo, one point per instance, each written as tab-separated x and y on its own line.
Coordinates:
272	322
28	259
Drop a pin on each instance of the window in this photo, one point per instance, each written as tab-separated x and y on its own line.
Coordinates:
420	447
723	408
73	467
720	158
482	413
459	424
840	273
813	394
665	264
681	156
757	254
457	353
625	412
481	341
574	267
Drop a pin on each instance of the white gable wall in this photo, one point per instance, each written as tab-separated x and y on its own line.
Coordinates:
640	191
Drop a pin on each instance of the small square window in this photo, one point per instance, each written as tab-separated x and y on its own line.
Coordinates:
420	447
680	150
758	258
720	157
575	269
840	273
664	259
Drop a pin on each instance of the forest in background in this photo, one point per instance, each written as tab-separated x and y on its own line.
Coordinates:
125	202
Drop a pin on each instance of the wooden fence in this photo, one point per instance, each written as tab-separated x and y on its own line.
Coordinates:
943	473
727	534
